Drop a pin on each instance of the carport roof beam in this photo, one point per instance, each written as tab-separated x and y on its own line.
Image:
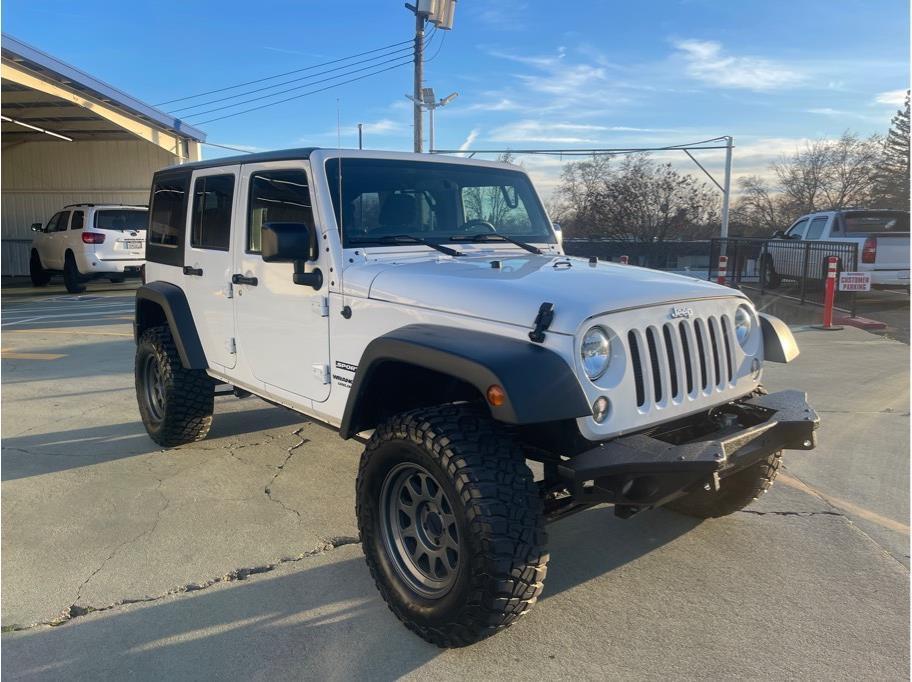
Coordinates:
35	128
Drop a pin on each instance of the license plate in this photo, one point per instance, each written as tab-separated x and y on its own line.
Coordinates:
133	243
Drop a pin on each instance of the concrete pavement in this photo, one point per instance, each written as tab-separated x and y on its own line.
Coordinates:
236	557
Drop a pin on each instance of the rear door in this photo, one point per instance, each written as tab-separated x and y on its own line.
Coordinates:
283	327
208	259
56	240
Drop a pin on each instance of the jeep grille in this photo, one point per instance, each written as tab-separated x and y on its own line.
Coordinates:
681	360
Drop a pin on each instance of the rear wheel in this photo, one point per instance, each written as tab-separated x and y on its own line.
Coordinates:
40	277
71	277
735	491
175	403
451	524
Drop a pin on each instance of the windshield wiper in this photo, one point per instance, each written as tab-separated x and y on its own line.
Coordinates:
485	236
406	239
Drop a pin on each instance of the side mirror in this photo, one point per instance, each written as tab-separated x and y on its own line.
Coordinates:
558	232
293	243
778	234
289	242
37	227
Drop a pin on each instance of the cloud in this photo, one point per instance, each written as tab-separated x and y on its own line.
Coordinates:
707	62
470	139
895	98
547	132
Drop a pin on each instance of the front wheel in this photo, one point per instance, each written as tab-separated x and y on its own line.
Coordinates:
735	491
39	276
451	524
175	403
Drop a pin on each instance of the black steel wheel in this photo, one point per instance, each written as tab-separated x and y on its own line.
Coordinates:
39	276
175	403
71	277
451	523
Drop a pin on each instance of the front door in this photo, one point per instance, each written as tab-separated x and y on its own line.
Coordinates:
208	262
282	327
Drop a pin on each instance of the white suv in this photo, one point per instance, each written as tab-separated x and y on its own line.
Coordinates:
425	302
86	241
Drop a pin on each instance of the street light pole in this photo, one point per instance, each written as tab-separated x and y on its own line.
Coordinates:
726	186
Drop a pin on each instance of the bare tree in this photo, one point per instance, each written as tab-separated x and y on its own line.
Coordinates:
635	199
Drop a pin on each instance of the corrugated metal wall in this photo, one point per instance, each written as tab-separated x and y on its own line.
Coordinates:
39	178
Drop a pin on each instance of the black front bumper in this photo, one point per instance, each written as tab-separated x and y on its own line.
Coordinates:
640	471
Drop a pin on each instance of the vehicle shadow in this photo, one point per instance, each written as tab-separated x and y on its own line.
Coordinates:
43	453
324	620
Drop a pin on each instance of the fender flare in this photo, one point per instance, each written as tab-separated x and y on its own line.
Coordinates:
779	343
173	303
539	384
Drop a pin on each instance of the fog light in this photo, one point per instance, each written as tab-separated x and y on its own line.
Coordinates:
496	395
600	409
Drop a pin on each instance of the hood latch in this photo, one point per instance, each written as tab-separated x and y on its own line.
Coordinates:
542	322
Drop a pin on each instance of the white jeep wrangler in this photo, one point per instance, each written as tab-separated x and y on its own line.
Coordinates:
425	301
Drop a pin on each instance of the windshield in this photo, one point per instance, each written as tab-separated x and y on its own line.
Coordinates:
876	221
433	201
121	219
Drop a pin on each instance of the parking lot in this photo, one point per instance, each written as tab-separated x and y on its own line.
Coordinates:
238	556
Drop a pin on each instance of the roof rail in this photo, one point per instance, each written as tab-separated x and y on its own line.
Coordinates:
110	204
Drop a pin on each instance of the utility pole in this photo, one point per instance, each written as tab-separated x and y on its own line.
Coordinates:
726	184
440	13
419	78
360	138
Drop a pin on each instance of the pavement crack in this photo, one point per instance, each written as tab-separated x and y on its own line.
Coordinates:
281	467
77	611
790	513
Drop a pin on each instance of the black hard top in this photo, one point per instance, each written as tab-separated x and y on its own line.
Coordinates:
259	157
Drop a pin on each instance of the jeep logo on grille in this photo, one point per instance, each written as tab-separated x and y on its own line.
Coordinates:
681	311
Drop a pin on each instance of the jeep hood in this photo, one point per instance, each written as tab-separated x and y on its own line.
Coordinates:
512	293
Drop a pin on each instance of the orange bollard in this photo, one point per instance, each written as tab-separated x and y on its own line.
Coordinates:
723	269
624	260
829	297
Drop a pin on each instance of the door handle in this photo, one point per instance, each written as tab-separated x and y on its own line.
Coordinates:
197	272
241	279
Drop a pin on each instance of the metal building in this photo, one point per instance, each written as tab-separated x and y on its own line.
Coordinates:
69	138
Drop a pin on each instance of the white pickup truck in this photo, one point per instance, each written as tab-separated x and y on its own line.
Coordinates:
882	237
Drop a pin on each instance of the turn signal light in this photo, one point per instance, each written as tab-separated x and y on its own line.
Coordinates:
93	238
496	395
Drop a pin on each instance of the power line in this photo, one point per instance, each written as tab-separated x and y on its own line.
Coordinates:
295	80
439	47
304	94
225	146
298	87
287	73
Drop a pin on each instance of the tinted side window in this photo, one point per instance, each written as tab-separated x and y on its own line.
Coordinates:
62	219
798	229
210	227
167	218
279	196
816	228
52	223
78	220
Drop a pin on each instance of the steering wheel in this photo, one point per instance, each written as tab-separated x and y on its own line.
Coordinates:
478	222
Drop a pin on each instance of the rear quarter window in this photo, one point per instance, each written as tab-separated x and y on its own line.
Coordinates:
168	219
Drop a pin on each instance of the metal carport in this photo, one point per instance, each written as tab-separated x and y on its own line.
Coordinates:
68	137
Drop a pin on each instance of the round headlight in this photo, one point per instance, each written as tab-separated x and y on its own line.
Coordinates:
595	352
744	324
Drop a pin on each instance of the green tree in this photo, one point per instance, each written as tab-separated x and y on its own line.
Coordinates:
891	189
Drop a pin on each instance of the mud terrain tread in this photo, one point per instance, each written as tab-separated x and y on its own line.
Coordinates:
737	491
507	560
190	393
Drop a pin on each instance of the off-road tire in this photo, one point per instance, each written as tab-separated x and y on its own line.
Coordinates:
185	412
71	277
735	492
502	556
39	276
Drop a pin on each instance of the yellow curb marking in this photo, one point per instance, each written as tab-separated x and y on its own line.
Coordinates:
845	505
13	355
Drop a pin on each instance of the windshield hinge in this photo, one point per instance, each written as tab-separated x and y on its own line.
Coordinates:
542	322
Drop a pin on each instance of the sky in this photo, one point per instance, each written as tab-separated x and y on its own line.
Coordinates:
543	74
